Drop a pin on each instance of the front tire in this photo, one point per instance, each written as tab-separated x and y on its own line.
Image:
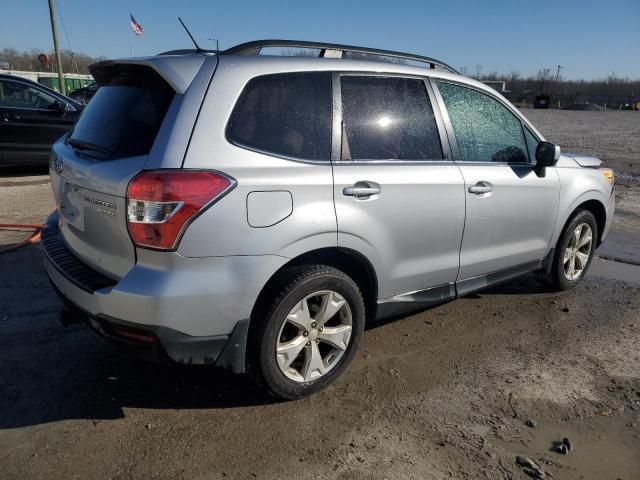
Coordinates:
305	338
574	251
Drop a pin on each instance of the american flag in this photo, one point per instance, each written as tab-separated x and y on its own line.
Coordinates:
136	27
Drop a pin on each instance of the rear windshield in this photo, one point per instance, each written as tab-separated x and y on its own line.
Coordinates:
124	116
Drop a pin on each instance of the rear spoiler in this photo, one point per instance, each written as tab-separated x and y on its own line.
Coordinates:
177	71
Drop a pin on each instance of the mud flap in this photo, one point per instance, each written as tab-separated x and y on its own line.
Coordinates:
547	263
233	355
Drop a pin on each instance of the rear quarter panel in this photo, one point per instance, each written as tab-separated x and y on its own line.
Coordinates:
224	228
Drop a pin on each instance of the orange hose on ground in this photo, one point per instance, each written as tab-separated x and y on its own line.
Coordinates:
35	236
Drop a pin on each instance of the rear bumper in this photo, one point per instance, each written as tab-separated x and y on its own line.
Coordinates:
195	308
162	344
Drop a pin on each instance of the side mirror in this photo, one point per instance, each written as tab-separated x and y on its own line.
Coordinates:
547	154
61	106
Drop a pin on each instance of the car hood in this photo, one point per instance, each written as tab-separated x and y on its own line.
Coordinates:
585	161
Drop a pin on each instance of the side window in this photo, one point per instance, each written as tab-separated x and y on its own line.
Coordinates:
485	130
387	118
285	114
21	95
532	144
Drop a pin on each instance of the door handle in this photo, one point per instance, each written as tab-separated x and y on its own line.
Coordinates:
480	188
362	190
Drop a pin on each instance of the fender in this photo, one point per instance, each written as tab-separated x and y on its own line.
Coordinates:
566	212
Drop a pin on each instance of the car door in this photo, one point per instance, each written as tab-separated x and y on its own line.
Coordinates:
399	199
31	120
511	207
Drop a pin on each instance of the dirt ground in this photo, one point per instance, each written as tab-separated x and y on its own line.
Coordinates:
456	391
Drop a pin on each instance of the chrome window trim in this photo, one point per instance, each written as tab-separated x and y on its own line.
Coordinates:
280	156
393	162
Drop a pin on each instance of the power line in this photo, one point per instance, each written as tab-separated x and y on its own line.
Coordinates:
66	34
64	27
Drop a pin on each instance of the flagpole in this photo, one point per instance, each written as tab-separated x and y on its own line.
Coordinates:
131	40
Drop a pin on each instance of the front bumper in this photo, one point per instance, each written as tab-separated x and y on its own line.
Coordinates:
195	310
610	211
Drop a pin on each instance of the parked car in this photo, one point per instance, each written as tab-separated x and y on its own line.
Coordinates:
255	212
32	118
84	94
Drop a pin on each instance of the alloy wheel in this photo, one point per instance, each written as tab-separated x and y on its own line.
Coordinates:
314	336
577	252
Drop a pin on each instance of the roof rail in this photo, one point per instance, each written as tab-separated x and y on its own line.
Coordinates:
186	51
331	50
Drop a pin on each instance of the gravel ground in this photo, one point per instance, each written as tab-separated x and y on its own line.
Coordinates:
613	136
456	391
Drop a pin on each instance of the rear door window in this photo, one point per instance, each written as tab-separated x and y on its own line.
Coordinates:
123	118
285	115
485	130
387	118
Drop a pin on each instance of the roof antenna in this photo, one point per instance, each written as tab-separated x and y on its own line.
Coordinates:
198	49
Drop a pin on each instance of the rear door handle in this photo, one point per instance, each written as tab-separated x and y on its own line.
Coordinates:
362	190
480	188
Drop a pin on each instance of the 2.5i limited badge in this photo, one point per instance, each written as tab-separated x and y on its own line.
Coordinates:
104	208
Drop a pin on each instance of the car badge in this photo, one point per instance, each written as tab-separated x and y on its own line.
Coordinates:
58	163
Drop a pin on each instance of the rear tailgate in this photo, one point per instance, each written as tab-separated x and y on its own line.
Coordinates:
92	209
111	143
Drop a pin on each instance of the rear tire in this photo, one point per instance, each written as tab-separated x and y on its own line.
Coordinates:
304	339
574	251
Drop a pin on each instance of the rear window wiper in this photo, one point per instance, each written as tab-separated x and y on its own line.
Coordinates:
81	145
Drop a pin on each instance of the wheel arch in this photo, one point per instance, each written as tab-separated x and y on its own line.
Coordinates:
351	262
599	212
590	201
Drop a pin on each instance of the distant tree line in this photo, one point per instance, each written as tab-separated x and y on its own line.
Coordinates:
72	62
611	90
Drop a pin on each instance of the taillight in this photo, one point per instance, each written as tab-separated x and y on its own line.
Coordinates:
161	204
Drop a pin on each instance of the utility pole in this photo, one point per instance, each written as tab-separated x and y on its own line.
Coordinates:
560	67
216	40
63	88
558	84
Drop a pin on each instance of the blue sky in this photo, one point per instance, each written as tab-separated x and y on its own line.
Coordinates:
590	38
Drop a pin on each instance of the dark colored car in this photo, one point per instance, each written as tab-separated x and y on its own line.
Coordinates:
32	118
84	94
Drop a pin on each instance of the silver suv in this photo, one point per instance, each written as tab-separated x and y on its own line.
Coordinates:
255	211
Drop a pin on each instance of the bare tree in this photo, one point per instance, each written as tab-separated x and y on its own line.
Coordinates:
72	62
544	77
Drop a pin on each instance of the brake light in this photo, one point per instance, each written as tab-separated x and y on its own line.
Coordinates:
161	204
